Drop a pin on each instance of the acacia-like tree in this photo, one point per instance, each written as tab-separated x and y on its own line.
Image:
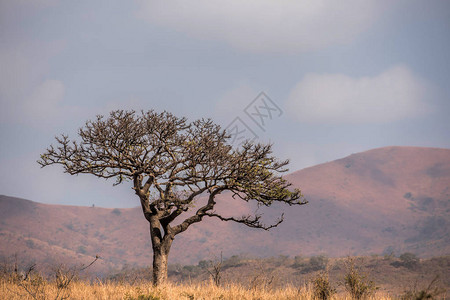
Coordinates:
171	163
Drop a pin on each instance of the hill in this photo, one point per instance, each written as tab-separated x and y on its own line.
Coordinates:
393	199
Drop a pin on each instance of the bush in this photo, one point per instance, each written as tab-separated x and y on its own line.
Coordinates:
82	249
233	262
142	297
432	291
315	263
318	262
116	211
30	244
322	288
298	262
356	284
409	260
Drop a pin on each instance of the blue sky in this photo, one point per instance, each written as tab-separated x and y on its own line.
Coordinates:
347	76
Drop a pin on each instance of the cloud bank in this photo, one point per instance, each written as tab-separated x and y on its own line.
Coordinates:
393	95
284	26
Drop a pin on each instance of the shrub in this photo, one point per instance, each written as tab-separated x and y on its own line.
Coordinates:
409	260
318	262
69	226
298	262
214	268
315	263
82	249
356	284
116	211
142	297
432	291
407	195
281	260
322	288
233	262
30	244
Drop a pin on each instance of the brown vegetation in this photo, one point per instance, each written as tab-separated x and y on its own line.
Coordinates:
243	278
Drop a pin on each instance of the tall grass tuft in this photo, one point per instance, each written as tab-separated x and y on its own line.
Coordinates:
357	284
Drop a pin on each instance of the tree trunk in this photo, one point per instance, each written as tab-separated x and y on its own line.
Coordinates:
161	248
159	267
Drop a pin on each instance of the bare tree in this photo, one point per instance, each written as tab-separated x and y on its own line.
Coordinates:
171	163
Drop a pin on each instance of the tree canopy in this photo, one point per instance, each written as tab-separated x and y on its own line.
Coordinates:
171	163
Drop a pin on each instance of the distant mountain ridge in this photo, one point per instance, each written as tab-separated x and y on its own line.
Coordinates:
392	199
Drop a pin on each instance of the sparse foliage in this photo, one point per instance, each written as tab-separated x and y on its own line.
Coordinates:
432	291
262	278
322	287
357	284
171	164
35	285
214	269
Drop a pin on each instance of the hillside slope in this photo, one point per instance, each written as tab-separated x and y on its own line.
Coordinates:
393	199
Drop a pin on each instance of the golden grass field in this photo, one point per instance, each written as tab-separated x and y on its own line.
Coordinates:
85	290
272	278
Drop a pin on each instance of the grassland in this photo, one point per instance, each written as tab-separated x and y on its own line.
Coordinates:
240	277
110	290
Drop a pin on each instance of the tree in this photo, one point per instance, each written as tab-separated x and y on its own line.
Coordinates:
171	164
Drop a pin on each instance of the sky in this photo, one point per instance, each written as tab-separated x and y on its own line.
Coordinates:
318	79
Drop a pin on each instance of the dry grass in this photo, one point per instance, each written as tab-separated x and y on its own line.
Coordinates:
261	282
99	290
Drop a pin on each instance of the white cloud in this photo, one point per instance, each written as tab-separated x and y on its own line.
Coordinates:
335	98
285	26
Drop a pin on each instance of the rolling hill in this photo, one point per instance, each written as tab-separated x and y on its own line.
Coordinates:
387	200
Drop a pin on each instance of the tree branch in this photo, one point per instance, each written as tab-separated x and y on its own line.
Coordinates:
250	221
